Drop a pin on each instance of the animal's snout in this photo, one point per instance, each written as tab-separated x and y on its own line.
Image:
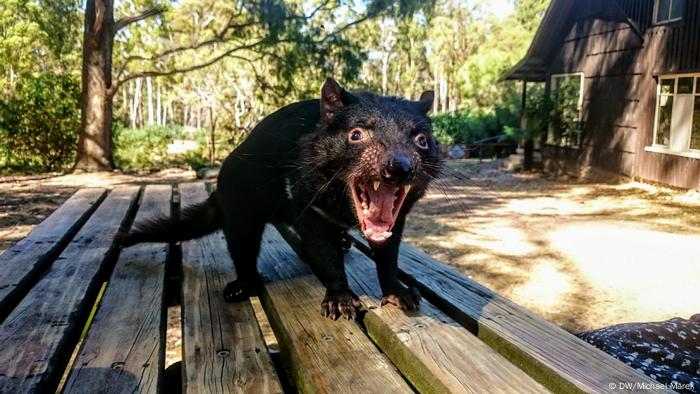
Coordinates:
398	170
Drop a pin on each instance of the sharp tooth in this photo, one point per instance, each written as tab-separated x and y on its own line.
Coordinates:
364	205
407	188
376	185
386	234
369	232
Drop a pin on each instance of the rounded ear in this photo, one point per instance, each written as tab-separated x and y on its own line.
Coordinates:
333	97
425	103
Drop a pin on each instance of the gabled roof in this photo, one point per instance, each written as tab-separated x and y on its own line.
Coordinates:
550	35
534	66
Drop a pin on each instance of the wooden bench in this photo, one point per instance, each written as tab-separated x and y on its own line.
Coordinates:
79	312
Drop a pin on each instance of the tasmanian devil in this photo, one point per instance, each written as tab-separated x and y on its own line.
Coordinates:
323	167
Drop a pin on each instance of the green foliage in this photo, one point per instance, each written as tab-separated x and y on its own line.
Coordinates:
38	36
565	122
529	13
144	148
557	112
147	148
39	123
540	111
465	128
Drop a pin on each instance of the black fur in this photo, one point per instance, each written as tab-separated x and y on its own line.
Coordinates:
193	222
300	166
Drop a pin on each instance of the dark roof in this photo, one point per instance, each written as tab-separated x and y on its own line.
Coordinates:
550	35
533	67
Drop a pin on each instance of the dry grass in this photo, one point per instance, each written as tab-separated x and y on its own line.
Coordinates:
583	255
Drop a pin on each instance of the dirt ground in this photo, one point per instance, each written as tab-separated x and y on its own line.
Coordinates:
26	201
583	255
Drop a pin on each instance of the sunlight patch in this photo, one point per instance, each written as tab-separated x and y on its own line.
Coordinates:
546	287
650	271
498	240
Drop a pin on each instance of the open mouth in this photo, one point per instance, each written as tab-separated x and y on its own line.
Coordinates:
378	205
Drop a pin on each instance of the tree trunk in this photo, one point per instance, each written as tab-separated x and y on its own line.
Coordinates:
529	144
212	148
95	142
136	104
528	154
149	103
385	71
159	109
436	89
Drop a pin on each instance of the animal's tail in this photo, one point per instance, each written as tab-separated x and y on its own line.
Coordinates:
193	222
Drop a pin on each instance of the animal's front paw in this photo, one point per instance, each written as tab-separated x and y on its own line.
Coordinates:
338	303
238	290
407	298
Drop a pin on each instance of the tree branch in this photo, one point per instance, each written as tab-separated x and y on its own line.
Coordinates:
219	37
181	70
127	20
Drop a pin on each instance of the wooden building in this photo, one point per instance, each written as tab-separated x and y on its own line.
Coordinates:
633	67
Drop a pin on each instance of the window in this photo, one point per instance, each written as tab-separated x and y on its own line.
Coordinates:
677	121
668	11
565	128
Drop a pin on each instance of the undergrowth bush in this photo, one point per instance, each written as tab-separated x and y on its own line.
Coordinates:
147	148
39	123
464	127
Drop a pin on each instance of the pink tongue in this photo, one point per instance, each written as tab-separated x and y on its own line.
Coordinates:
381	205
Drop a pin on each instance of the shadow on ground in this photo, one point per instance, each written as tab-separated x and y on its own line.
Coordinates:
583	255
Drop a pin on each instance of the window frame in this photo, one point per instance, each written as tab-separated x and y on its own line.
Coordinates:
667	21
658	148
579	107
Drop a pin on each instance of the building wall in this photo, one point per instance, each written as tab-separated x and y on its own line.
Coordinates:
620	86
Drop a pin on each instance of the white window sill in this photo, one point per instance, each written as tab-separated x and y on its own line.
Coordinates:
667	21
662	149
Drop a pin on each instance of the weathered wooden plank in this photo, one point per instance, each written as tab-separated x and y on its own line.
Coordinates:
23	263
554	357
224	350
36	338
124	349
431	349
324	356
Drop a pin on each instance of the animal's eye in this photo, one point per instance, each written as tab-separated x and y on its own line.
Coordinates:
356	135
421	141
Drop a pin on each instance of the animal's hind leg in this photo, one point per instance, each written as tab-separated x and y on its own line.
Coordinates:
243	240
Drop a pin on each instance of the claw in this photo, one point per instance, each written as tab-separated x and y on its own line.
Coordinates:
407	299
340	304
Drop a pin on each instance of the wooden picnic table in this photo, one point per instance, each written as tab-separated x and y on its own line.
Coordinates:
80	313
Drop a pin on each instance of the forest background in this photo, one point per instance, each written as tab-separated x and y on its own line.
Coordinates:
189	79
